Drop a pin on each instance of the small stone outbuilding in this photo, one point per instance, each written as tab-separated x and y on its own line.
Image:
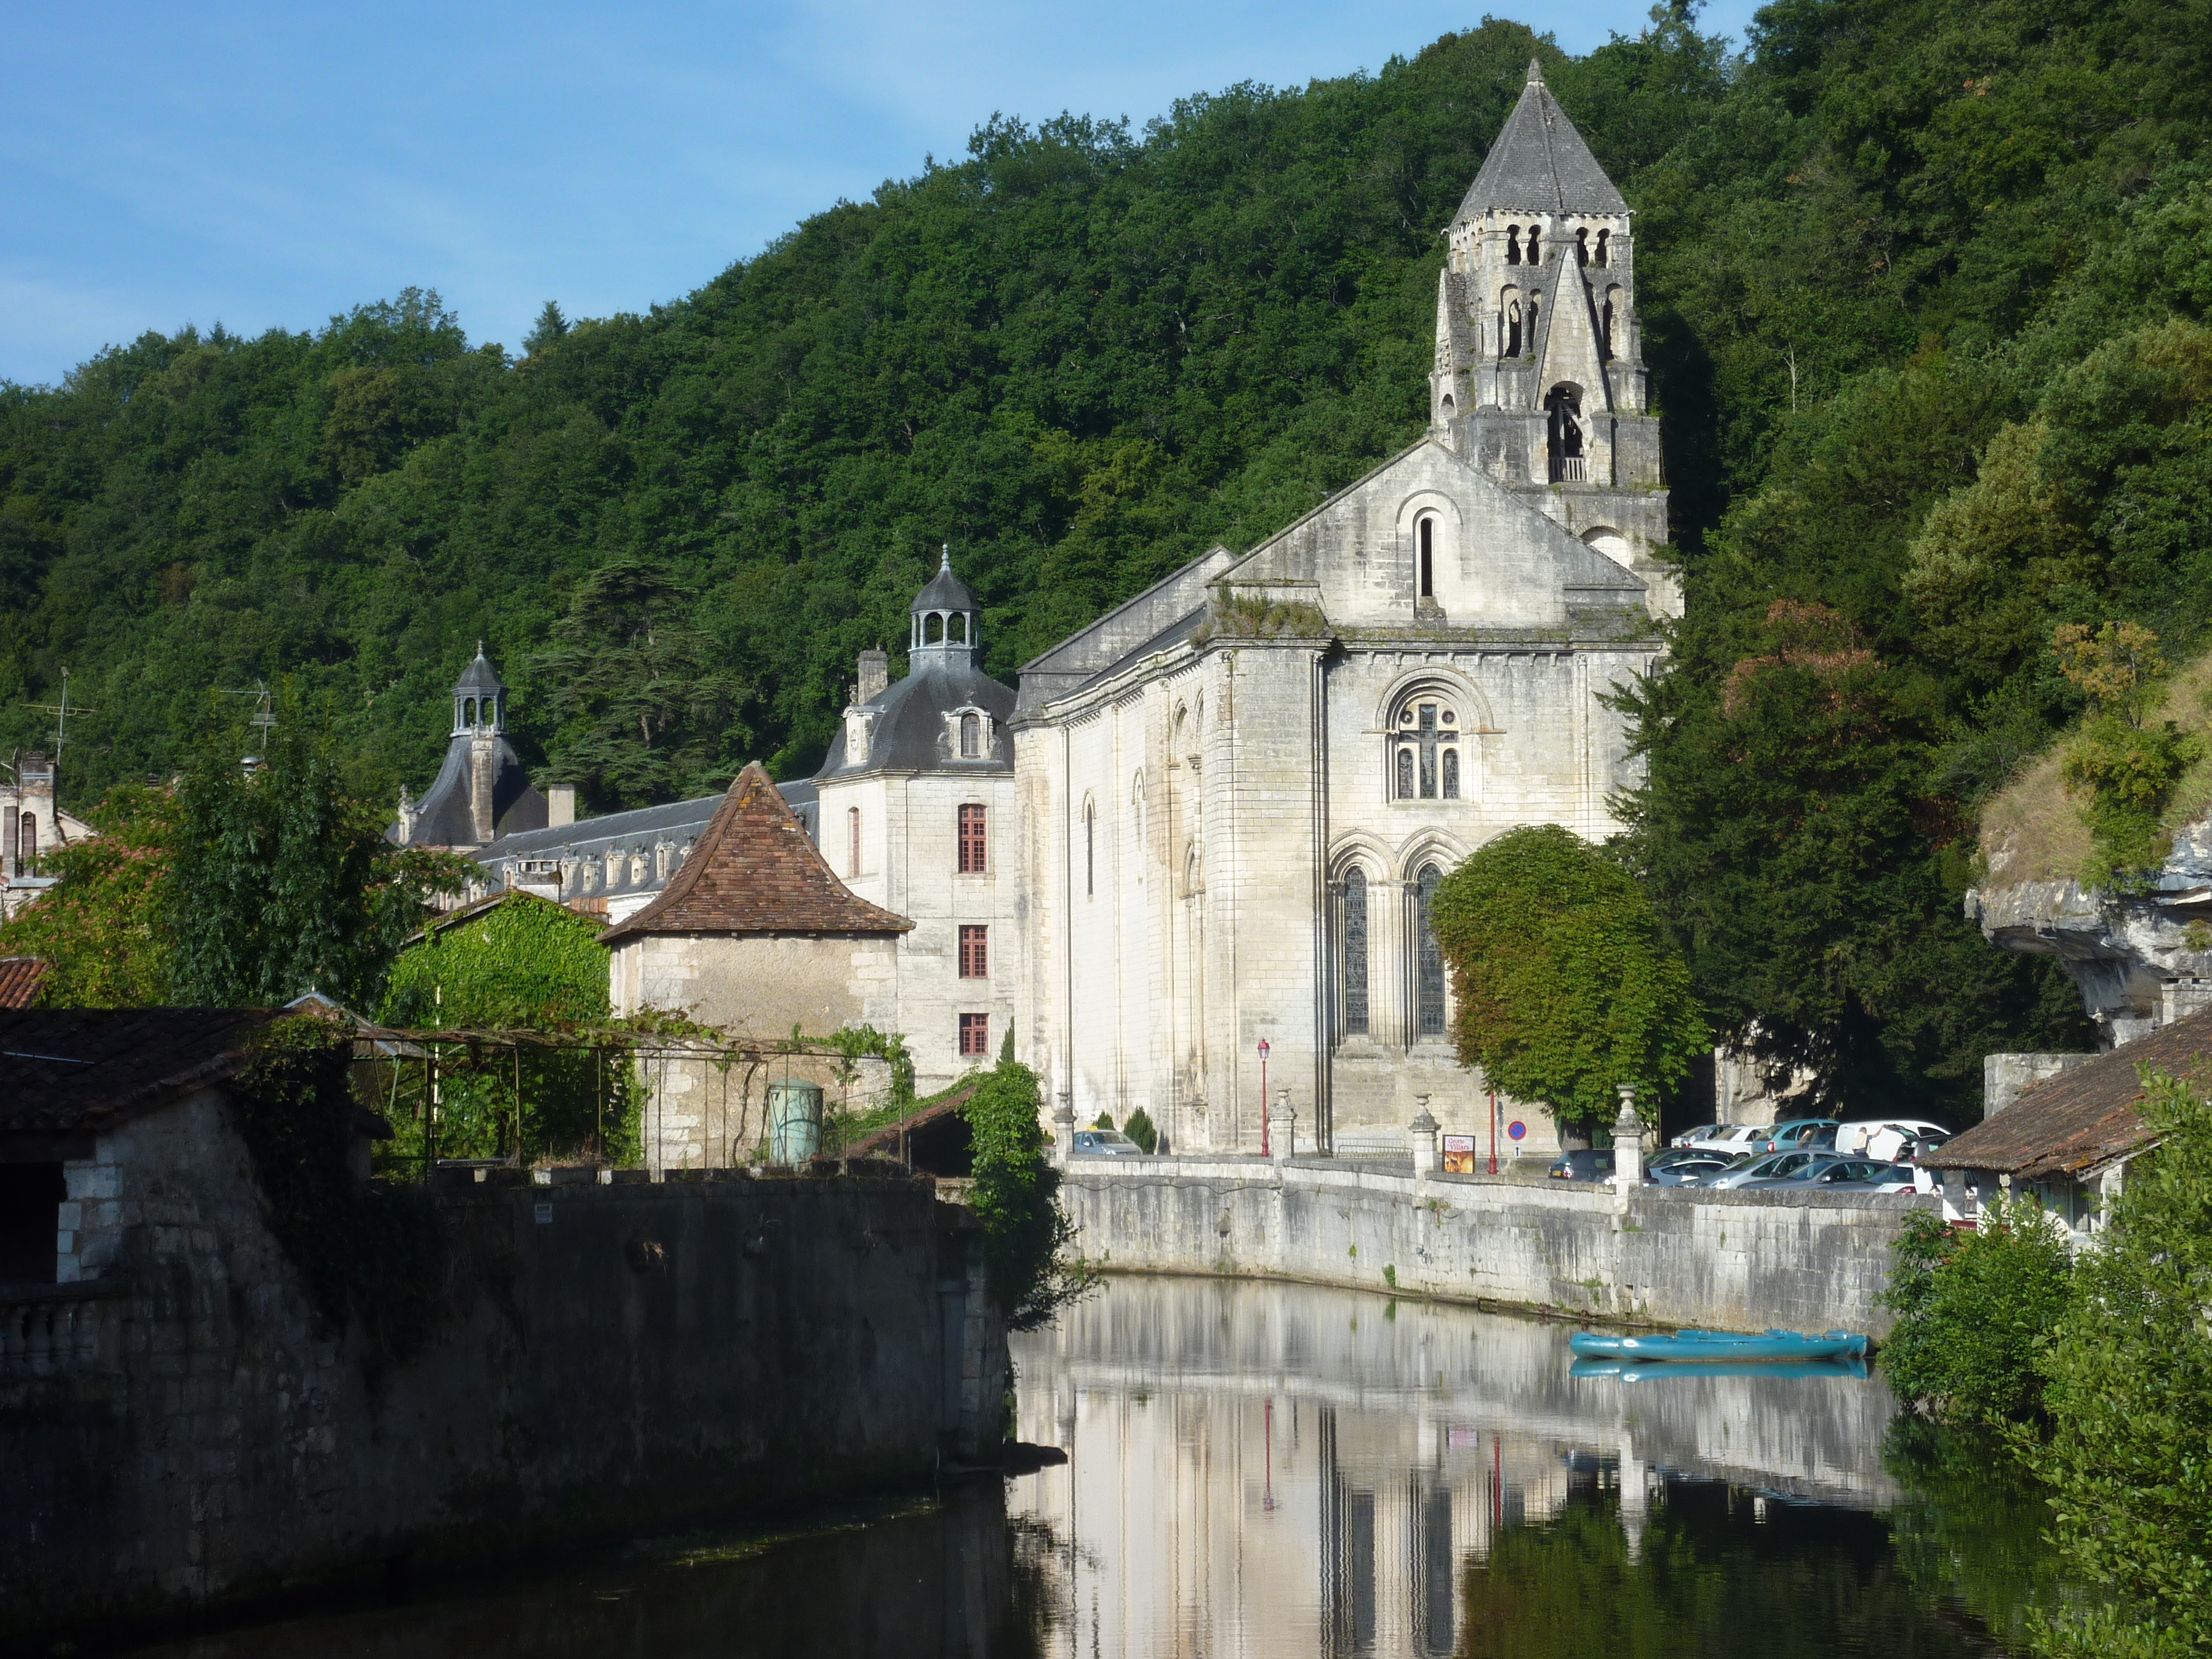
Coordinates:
755	936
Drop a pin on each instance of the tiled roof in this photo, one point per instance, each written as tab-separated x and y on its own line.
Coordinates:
2082	1118
83	1068
1539	161
19	980
756	871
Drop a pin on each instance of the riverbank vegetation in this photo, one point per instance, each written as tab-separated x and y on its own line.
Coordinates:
2098	1371
1028	1240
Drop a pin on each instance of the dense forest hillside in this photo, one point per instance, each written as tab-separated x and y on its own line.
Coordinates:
1925	285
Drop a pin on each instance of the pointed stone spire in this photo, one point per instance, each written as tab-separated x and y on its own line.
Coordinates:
1539	163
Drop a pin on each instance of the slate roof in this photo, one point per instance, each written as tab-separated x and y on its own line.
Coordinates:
756	871
910	732
945	591
443	818
19	980
1539	161
2084	1117
64	1069
479	676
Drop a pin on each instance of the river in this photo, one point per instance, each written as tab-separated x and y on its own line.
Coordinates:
1282	1471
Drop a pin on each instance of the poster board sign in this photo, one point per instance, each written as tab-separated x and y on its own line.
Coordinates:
1459	1154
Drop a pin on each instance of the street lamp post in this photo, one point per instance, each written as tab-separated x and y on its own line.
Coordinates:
1265	1150
1493	1132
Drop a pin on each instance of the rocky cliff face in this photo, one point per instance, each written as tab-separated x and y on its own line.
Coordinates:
2137	960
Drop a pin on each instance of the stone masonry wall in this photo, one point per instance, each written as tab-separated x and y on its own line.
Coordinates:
1670	1257
178	1430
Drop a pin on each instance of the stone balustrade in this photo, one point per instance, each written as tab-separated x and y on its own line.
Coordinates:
54	1330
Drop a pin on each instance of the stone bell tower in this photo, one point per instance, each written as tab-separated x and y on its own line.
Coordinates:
1540	378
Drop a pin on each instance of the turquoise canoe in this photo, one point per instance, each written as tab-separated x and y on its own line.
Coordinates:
1720	1345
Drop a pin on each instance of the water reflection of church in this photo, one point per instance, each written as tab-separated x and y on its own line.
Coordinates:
1276	1469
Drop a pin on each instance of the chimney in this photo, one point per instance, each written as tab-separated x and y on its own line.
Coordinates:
560	806
875	676
484	758
33	832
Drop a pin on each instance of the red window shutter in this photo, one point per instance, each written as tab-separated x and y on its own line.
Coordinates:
972	846
975	953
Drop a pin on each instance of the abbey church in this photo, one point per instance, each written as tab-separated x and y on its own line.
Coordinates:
1217	816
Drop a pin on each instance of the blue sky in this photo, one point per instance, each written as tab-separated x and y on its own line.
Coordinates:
262	164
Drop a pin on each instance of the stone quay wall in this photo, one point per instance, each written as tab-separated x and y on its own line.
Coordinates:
179	1432
1658	1256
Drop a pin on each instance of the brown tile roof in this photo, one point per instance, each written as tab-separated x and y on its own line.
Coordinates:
2084	1117
83	1069
19	980
756	871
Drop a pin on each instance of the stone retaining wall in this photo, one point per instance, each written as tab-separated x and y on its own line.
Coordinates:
1669	1256
180	1431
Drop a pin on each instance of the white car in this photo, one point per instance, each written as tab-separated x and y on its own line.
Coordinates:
1884	1137
1732	1138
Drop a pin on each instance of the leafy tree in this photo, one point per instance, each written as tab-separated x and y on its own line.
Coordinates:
520	963
101	931
2130	1395
280	881
1026	1235
1567	987
1974	1309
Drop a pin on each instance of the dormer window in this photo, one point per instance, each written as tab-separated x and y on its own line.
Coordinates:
971	737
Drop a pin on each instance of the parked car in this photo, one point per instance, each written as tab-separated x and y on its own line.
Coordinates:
1690	1137
1878	1178
1880	1137
1911	1149
1732	1138
1689	1171
1105	1143
1801	1133
1817	1172
1585	1165
1763	1167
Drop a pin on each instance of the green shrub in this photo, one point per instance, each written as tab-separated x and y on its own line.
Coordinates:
2130	1396
1016	1195
1140	1129
1105	1121
1973	1309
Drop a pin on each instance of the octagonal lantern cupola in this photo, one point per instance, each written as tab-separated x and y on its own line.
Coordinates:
947	623
479	699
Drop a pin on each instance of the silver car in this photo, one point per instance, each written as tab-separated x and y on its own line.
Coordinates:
1766	1168
1820	1173
1105	1143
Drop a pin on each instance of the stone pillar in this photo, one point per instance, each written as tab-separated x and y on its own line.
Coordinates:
1422	1132
1063	1129
1627	1143
1281	1123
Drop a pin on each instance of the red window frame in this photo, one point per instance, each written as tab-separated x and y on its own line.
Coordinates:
974	841
974	1035
975	951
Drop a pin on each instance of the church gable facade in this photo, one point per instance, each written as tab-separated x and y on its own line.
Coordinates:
1239	792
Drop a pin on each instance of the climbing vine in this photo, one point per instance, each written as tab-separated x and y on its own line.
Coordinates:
364	1251
524	963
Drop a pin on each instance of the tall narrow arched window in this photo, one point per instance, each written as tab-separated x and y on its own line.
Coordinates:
1089	849
1535	247
956	627
1355	952
1604	248
1428	558
1582	245
1512	244
1405	774
1429	968
1512	328
1605	327
932	629
853	829
1451	773
971	737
